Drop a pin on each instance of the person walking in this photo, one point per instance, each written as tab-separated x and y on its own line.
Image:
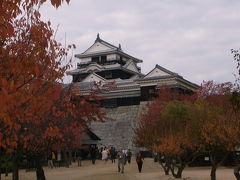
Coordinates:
93	153
112	154
50	161
59	158
79	157
129	156
53	159
121	161
139	160
105	154
100	153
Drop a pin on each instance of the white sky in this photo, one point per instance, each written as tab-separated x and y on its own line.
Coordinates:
193	38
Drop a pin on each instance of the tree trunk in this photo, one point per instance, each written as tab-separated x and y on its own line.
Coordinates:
70	157
164	162
237	173
165	167
180	169
6	172
15	174
213	172
177	174
213	159
39	171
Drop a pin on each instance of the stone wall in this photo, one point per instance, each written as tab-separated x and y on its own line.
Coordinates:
119	132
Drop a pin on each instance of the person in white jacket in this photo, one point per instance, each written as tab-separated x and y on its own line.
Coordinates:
105	154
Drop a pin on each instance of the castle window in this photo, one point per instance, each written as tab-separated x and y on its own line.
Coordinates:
95	59
108	75
151	91
103	59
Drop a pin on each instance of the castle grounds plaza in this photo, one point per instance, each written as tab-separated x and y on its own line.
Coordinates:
108	171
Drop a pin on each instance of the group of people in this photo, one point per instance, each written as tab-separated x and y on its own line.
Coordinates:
51	159
109	153
125	156
54	159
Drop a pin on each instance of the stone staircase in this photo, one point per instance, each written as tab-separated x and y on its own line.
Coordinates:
118	132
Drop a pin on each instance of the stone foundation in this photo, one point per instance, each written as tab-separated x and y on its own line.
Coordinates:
119	131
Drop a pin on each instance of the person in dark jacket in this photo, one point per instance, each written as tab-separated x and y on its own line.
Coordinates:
79	157
112	154
93	153
139	160
50	161
129	156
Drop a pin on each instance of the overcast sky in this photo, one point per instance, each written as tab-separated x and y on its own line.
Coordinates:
193	38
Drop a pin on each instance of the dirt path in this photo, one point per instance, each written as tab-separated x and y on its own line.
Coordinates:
108	171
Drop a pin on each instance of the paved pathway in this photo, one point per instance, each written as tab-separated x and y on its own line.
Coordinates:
108	171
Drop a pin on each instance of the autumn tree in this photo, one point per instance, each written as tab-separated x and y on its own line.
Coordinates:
61	127
37	113
165	127
176	139
180	124
219	123
146	132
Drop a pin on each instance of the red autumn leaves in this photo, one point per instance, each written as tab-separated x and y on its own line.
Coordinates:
206	121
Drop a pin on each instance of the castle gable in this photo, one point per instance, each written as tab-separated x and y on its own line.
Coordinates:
159	71
93	77
131	66
98	47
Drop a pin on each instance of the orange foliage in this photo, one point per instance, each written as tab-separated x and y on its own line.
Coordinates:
176	123
172	145
219	128
36	111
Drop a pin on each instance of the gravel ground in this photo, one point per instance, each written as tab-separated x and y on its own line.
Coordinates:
108	171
